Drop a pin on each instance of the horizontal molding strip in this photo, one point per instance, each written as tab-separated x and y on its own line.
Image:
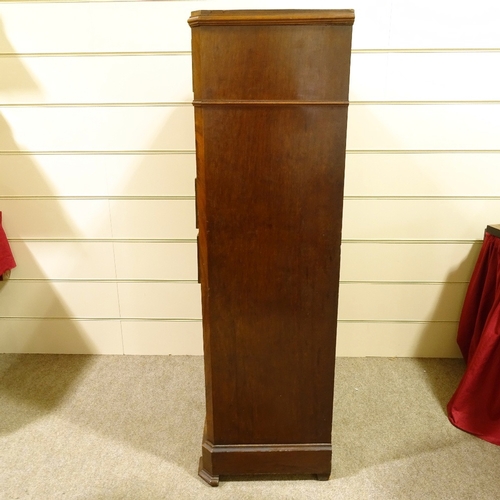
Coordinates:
163	104
192	198
169	104
395	282
420	197
90	280
66	1
97	53
265	102
420	151
76	318
192	151
162	320
415	50
228	448
441	50
409	242
198	320
424	103
193	240
102	198
103	240
195	282
398	321
130	152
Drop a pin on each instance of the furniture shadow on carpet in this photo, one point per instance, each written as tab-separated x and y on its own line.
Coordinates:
34	385
385	411
153	403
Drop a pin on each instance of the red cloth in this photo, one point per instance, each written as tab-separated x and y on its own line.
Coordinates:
475	406
6	258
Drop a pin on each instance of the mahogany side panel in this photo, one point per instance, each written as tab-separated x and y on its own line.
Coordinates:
270	94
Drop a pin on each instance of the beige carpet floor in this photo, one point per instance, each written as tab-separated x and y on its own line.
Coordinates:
129	427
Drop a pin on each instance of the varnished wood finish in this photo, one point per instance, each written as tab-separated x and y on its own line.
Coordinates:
208	478
270	17
270	96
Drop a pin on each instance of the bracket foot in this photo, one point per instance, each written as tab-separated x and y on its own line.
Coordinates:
208	478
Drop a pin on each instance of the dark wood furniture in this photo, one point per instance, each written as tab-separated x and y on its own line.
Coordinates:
270	98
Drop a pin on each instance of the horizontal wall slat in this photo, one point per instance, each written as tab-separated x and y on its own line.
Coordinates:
426	23
155	338
91	300
160	300
172	175
62	336
59	300
422	175
408	262
82	219
401	302
81	260
157	175
162	219
167	78
156	261
450	76
434	77
85	26
365	301
63	260
397	340
80	80
94	175
371	127
160	338
177	261
425	219
56	218
96	129
424	127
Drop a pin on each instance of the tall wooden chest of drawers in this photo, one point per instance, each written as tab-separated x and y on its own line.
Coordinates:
270	100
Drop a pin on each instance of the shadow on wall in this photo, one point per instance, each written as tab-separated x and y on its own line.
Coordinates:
443	384
25	304
16	79
431	340
34	316
402	420
29	390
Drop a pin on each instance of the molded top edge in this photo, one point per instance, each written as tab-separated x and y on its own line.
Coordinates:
270	17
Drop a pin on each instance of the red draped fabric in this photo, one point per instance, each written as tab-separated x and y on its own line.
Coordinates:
6	258
475	406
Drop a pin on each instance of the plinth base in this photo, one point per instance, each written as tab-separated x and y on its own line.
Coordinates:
242	460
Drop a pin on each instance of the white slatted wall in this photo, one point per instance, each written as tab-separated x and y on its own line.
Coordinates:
97	167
